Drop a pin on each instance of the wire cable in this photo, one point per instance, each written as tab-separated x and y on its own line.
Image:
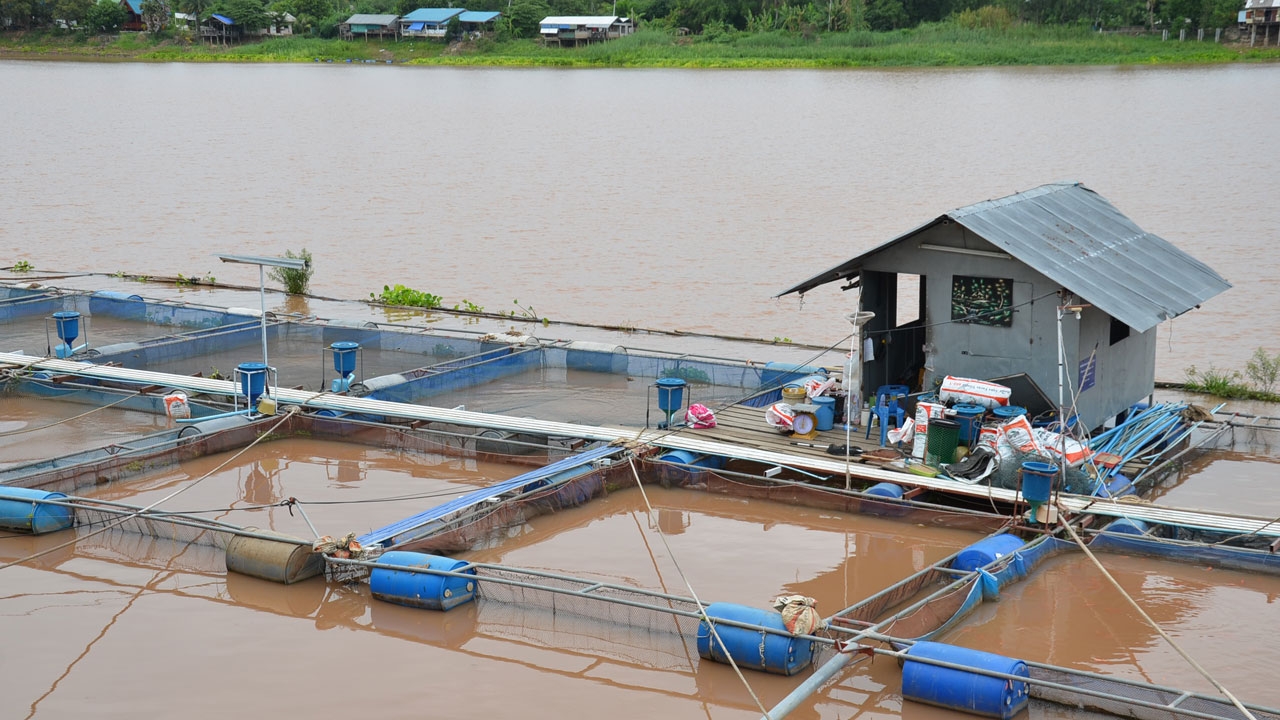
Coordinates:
67	420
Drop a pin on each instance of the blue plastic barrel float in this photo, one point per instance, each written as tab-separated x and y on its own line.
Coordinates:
964	690
421	590
686	457
1037	481
755	649
1127	526
986	551
20	511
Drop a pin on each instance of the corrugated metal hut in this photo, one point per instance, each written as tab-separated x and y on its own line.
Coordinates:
992	277
366	25
134	20
428	22
477	21
573	29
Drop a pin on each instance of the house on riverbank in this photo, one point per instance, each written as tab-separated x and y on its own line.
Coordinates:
430	23
365	25
572	30
985	286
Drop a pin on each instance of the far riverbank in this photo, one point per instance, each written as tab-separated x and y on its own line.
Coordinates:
939	45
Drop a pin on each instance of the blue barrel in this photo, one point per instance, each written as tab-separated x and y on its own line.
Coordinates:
970	419
685	457
1008	412
1037	481
1127	527
117	295
253	379
344	357
826	412
19	512
780	373
421	590
885	489
986	551
68	325
670	394
755	649
964	690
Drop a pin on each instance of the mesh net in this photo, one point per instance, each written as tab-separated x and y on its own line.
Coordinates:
183	529
1079	480
1122	693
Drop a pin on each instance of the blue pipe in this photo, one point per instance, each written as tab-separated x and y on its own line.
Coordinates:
246	411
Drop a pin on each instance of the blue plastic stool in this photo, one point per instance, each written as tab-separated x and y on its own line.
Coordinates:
886	406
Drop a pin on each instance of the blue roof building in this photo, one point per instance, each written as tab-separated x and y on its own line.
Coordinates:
428	22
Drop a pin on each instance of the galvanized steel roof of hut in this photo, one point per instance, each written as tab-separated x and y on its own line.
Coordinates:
1076	238
432	15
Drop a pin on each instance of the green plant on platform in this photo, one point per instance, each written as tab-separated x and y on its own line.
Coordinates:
782	340
1213	381
22	266
295	282
408	297
184	281
1263	370
468	306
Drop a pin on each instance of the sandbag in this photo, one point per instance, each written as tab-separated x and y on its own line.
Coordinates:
973	392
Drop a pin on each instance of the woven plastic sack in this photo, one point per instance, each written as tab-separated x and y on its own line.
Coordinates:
818	388
780	415
699	417
798	613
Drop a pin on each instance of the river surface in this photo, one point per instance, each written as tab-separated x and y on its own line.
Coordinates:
653	198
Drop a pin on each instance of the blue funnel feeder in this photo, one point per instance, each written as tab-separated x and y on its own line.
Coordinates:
670	396
253	380
1037	484
67	323
344	362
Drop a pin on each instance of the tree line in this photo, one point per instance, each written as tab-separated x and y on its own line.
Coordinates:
710	18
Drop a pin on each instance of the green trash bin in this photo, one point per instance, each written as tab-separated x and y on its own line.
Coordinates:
942	438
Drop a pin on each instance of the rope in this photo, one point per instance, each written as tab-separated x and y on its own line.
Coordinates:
701	609
67	420
173	494
1191	661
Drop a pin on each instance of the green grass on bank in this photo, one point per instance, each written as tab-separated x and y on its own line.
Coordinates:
936	45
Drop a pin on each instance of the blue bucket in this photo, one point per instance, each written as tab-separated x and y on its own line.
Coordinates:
670	394
344	357
1037	481
68	325
964	690
755	649
826	412
253	380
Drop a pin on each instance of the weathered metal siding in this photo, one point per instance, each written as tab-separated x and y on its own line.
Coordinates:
1125	371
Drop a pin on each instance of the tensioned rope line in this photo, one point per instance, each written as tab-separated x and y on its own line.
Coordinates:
175	493
711	627
67	420
1185	656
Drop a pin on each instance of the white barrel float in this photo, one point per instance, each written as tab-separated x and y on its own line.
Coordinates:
419	589
21	510
286	560
964	690
769	652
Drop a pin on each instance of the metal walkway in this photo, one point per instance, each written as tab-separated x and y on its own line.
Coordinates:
1199	519
430	521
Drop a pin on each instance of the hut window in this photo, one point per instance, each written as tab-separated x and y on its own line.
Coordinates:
982	301
1119	331
909	289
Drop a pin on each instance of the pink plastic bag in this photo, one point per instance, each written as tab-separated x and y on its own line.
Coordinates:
699	417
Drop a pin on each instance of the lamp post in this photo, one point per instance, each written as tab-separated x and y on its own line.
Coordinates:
262	263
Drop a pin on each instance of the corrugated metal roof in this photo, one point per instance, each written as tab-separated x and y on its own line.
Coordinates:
135	6
364	19
591	21
1261	4
476	16
1076	238
223	19
432	15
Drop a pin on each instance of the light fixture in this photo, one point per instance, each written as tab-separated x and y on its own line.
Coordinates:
263	262
966	251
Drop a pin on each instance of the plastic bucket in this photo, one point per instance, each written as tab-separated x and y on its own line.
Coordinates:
1037	481
344	357
826	412
670	394
970	419
943	436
